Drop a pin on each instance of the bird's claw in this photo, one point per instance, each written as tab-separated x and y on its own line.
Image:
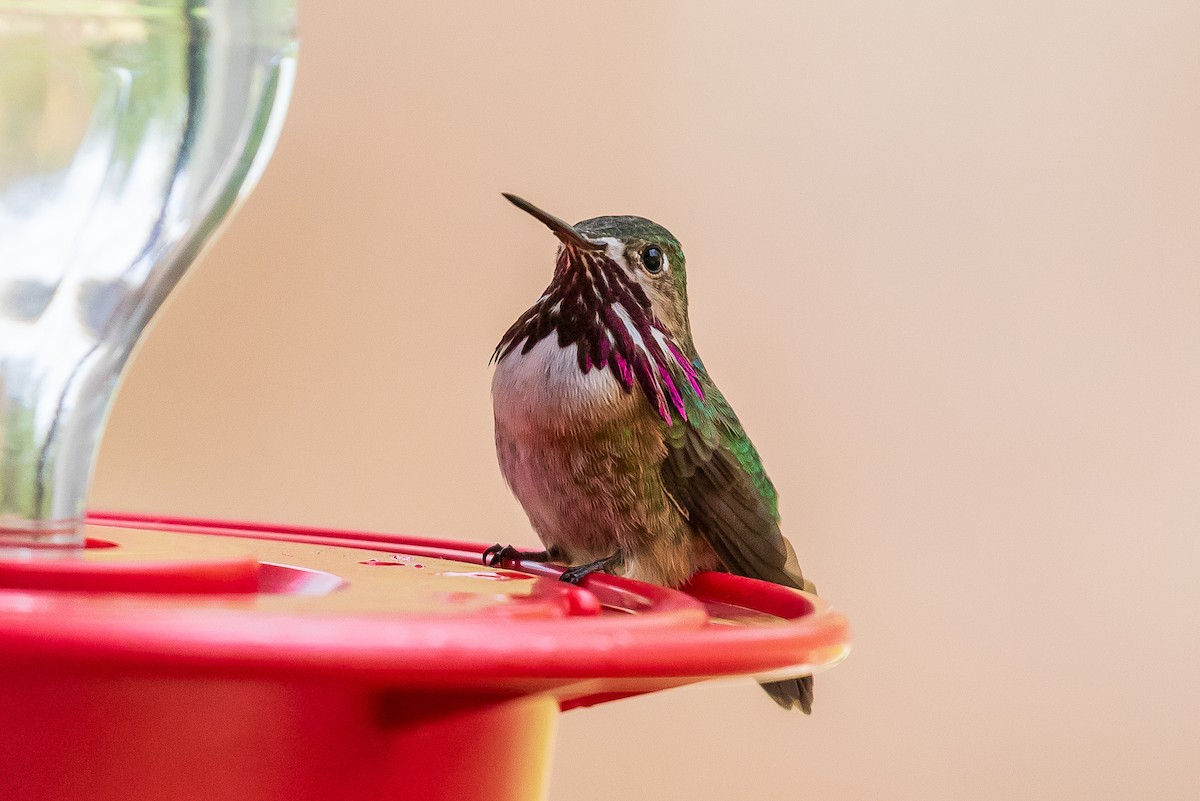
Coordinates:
495	555
575	575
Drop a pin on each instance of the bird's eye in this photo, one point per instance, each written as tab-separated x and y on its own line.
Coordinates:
652	259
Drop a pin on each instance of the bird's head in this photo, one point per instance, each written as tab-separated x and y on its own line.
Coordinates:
619	296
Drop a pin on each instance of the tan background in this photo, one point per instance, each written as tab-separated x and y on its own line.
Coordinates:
945	262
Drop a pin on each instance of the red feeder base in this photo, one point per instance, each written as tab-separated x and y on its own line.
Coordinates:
212	660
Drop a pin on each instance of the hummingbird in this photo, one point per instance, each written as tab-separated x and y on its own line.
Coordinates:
612	435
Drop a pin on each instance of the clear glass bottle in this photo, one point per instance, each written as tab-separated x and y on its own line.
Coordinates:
128	131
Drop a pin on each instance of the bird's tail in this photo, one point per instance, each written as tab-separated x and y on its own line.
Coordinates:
792	693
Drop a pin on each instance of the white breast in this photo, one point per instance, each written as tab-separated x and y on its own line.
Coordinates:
545	388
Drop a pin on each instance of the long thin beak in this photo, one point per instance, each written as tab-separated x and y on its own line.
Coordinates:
561	229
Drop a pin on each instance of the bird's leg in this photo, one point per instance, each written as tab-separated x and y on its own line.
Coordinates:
497	554
574	575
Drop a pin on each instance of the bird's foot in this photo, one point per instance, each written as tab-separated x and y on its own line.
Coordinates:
575	575
497	554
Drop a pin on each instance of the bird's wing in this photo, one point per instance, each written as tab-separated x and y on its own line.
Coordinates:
714	474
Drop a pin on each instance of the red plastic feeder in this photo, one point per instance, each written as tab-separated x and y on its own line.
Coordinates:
184	659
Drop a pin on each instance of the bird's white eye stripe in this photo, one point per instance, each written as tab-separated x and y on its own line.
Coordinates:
614	248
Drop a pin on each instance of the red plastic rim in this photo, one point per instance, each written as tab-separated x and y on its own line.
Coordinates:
670	636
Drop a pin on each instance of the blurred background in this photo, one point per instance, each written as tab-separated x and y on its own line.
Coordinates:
944	261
